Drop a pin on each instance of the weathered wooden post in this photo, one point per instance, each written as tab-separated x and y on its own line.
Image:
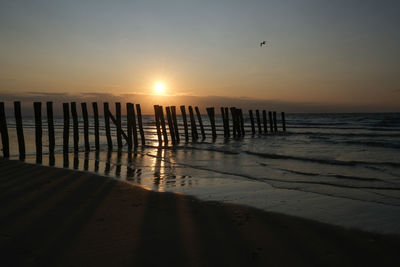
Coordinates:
193	124
185	125
275	122
85	126
37	106
20	131
107	125
140	122
157	121
50	127
129	107
283	121
66	130
134	130
258	121
253	129
228	132
118	124
75	126
241	122
4	131
265	123
163	127
203	134
175	121
211	115
234	126
271	123
96	126
170	124
223	121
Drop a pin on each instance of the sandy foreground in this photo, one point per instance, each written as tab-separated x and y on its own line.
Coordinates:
60	217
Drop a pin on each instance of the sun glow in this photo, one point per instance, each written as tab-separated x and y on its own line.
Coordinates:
159	88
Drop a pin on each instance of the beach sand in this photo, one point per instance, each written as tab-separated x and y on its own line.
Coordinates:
60	217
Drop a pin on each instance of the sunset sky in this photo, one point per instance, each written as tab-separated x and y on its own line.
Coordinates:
320	53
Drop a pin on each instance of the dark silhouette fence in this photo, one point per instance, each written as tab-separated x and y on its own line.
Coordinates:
134	125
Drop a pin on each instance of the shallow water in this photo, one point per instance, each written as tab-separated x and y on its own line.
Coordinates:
336	168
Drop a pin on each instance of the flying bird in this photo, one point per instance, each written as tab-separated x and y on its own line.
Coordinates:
263	43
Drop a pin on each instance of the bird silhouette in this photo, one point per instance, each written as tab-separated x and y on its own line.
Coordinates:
263	43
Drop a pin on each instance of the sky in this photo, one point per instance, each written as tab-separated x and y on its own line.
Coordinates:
321	56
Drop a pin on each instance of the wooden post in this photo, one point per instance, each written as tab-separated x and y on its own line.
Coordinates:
4	131
129	107
140	122
275	122
37	106
170	124
211	115
223	121
162	122
174	119
253	129
193	124
241	122
118	124
258	121
283	121
185	125
271	123
265	122
85	126
20	131
50	127
66	129
157	120
75	126
107	125
96	126
234	123
228	132
203	134
134	130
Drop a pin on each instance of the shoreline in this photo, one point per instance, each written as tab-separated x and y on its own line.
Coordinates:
62	217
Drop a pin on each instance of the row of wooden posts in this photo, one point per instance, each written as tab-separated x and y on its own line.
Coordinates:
133	126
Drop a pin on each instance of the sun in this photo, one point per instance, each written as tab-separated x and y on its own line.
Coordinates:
159	88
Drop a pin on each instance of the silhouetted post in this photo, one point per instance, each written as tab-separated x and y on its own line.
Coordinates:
170	124
234	121
96	126
20	131
134	130
163	127
4	132
275	122
241	122
193	124
283	122
75	125
129	107
253	129
203	134
271	123
85	126
265	122
37	106
157	120
228	132
211	115
223	121
66	129
118	124
140	122
258	121
185	125
107	125
50	126
175	121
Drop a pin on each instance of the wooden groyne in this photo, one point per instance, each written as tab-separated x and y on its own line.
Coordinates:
133	131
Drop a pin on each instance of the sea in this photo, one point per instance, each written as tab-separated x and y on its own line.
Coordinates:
341	169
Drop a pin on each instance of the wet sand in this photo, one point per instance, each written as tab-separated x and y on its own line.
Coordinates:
61	217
